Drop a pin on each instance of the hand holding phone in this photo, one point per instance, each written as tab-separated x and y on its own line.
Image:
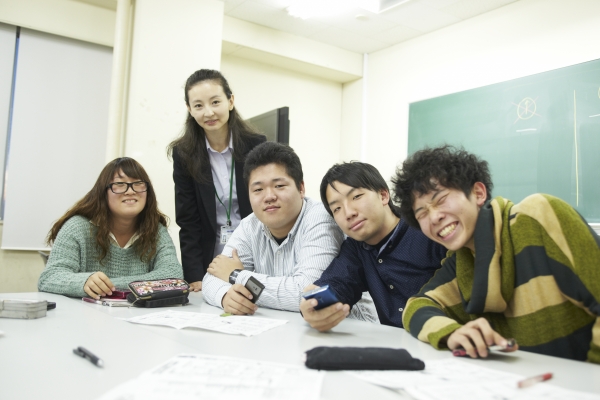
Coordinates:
324	296
255	287
237	302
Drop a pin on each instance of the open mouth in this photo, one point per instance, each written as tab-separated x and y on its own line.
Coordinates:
130	201
447	230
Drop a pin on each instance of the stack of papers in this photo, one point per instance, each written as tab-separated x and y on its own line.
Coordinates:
455	379
25	309
197	376
234	325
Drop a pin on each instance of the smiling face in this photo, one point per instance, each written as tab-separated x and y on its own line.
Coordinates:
210	107
275	199
362	214
448	216
128	205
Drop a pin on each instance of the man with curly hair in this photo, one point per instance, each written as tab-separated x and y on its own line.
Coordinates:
528	271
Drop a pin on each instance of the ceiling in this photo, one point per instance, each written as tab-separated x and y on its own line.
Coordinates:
356	30
370	32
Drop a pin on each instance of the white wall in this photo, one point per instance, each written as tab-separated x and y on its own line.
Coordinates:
254	42
171	40
352	121
68	18
520	39
315	110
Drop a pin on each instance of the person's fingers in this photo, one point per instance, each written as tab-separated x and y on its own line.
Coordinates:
106	281
489	335
99	286
463	341
337	312
238	304
242	290
90	292
196	286
94	290
305	306
328	317
481	347
475	338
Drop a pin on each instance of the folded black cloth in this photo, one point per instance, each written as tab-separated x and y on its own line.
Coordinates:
357	358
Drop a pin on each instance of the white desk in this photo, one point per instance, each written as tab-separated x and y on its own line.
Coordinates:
36	358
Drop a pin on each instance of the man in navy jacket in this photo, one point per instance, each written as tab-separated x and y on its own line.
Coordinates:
382	254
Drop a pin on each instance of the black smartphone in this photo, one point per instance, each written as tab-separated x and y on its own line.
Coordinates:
51	305
255	287
324	295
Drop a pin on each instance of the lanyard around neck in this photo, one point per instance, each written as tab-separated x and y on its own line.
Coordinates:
228	211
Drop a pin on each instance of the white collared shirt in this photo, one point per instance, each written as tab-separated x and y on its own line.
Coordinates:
220	166
113	239
284	269
128	244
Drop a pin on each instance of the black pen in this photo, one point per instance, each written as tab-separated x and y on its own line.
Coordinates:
83	352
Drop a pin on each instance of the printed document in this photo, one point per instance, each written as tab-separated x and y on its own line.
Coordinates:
455	379
234	324
198	376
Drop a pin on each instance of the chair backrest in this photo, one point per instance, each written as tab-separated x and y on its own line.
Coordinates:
44	256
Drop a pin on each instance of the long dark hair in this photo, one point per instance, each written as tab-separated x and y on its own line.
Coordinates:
191	145
94	206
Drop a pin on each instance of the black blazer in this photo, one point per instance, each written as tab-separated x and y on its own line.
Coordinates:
196	213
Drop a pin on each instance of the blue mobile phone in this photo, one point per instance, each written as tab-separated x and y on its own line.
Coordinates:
323	295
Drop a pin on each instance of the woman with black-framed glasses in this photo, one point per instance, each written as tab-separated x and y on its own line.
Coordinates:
113	236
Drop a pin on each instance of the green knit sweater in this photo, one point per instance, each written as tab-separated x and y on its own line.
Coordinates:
535	276
74	257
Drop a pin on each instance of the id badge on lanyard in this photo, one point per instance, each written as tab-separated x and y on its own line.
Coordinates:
226	232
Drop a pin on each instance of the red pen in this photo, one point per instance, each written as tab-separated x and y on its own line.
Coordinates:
534	379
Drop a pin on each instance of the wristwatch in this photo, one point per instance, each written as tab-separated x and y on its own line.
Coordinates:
233	276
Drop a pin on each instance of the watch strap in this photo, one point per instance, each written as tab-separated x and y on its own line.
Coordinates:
233	276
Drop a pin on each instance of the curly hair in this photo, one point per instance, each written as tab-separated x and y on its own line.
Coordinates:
357	175
191	146
448	166
94	206
274	153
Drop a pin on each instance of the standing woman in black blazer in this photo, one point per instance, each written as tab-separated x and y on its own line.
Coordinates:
208	162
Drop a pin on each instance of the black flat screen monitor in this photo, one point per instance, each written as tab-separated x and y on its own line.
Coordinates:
274	124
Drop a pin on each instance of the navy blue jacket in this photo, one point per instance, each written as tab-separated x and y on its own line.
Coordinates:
403	265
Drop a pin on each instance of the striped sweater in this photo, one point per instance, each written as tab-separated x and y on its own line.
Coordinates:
535	276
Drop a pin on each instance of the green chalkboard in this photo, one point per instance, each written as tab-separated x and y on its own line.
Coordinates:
540	133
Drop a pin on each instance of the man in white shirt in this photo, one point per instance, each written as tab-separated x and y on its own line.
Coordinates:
286	243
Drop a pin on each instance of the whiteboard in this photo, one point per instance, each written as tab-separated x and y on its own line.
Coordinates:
8	35
59	131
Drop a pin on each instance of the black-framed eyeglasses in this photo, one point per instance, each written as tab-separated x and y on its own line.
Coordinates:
122	187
